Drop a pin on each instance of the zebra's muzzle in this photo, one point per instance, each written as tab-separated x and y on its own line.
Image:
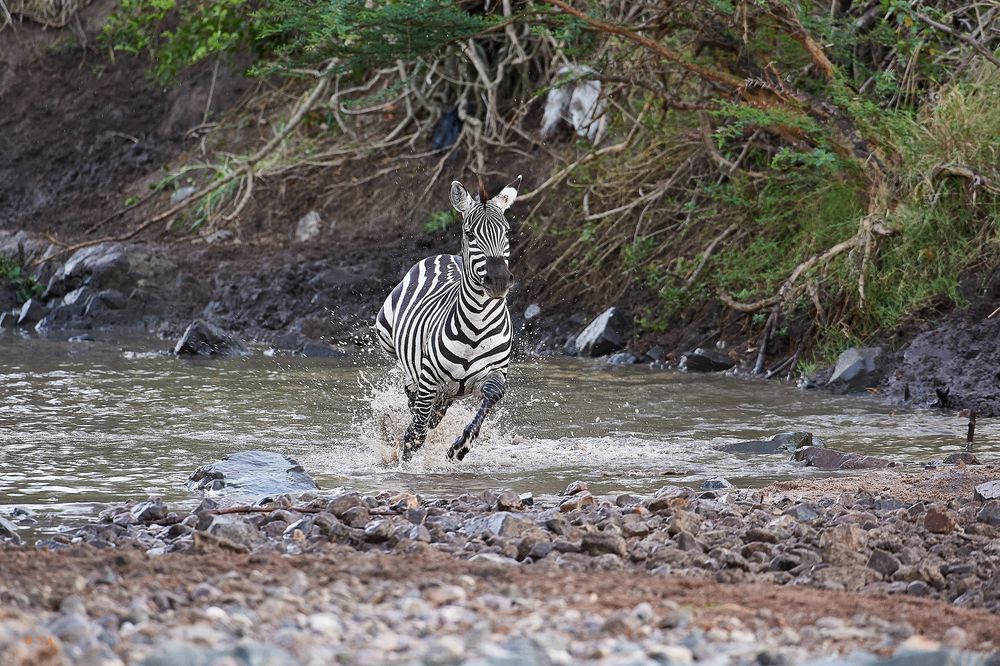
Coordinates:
498	277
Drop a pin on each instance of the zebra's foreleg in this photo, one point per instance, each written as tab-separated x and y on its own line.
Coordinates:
420	411
493	389
440	409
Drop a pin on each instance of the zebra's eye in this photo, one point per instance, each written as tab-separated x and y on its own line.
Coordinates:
471	236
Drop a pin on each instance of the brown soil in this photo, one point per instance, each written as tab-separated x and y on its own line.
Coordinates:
41	580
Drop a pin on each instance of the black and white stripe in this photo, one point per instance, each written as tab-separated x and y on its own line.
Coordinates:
447	321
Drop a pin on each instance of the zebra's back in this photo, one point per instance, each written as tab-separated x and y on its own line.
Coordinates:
415	309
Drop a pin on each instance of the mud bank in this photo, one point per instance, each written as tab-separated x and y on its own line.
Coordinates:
904	561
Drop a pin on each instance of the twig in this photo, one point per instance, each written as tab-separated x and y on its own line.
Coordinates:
962	37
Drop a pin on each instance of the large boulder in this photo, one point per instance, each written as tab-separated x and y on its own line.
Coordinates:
104	266
604	335
252	474
830	459
203	338
856	370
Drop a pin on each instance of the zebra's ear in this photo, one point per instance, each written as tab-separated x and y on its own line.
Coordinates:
460	197
507	195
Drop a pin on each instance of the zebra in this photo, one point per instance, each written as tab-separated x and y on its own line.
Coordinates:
447	322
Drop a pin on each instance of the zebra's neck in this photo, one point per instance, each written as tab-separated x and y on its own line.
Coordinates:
475	312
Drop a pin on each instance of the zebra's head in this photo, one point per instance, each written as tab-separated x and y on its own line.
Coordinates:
485	247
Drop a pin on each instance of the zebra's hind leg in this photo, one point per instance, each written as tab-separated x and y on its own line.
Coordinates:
493	389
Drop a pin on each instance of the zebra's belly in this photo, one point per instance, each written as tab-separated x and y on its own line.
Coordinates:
467	366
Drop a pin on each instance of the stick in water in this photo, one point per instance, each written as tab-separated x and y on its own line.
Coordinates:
971	435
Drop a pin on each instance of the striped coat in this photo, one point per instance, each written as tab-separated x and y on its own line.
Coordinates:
447	322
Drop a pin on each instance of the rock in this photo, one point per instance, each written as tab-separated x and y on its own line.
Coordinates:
962	458
990	513
576	487
206	339
939	521
104	266
803	511
843	544
318	350
669	497
86	337
783	442
308	227
9	319
988	491
235	530
621	358
500	523
684	521
252	474
856	370
656	353
577	501
147	512
182	194
508	500
378	531
823	458
219	236
717	483
705	360
600	543
883	562
603	336
8	531
32	312
493	558
532	311
344	502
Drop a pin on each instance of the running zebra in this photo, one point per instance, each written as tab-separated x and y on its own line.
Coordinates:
447	321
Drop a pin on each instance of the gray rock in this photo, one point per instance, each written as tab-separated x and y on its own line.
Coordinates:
8	319
32	312
716	484
202	338
600	543
990	513
234	529
319	350
252	474
705	360
493	558
8	531
576	487
962	458
308	227
988	491
86	337
823	458
803	511
657	354
883	562
532	311
856	370
621	358
147	512
501	523
103	266
604	335
783	442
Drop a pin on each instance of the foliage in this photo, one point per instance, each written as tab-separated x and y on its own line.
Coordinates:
25	286
439	221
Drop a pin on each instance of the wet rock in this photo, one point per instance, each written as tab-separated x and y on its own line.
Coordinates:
252	474
717	483
990	513
856	370
829	459
603	336
883	562
988	491
8	531
202	338
312	349
939	521
147	512
31	313
622	358
600	543
576	487
783	442
705	360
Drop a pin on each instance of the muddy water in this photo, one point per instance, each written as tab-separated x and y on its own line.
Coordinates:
88	423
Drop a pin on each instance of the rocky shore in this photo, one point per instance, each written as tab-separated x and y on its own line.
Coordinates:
850	568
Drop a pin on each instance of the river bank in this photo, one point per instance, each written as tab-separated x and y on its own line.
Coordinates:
723	575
